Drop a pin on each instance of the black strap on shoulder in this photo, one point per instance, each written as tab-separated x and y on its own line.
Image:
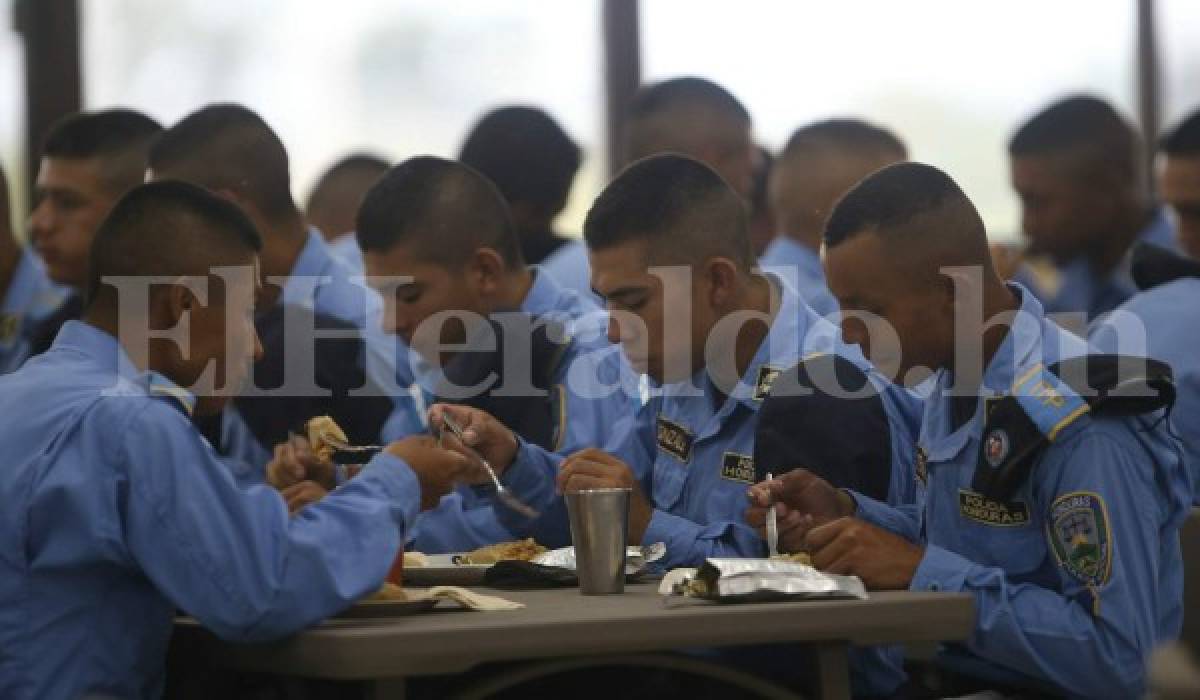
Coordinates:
1111	385
532	415
1154	265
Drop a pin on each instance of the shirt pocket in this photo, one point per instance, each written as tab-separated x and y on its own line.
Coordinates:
1004	535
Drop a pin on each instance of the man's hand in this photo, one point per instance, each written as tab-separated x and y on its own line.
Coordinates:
595	469
481	432
294	462
802	501
437	469
850	546
302	494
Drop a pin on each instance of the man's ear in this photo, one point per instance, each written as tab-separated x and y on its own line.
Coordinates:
178	301
721	275
486	270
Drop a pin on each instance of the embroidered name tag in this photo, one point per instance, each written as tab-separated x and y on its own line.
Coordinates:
674	439
973	506
736	467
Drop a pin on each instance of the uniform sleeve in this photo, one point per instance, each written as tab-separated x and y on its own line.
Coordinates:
901	519
690	543
1091	631
532	477
458	525
232	557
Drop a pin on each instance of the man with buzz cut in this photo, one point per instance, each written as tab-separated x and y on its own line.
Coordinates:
117	512
232	151
1050	498
437	239
88	161
820	162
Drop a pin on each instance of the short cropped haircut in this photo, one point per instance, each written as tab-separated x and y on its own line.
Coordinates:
846	136
679	206
1184	138
664	116
445	209
526	154
1085	128
168	228
910	203
228	146
121	138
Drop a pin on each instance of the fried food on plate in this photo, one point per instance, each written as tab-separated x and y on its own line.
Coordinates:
798	558
522	550
388	593
317	428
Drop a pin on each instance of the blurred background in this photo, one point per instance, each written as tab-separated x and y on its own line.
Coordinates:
404	77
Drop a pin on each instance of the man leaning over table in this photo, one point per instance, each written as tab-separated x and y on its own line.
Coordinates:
117	512
1074	564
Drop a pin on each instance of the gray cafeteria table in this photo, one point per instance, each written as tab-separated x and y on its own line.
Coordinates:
562	624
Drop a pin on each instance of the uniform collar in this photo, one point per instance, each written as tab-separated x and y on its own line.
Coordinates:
1020	349
315	260
101	347
781	348
544	294
785	250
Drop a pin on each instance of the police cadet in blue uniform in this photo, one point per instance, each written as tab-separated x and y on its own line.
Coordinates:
88	161
1055	505
117	512
437	237
232	151
26	293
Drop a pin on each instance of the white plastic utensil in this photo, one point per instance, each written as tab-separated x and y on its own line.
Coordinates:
772	528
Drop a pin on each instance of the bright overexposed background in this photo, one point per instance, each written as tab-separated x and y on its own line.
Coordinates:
398	78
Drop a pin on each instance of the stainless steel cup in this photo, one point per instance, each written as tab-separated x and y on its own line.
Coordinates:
599	528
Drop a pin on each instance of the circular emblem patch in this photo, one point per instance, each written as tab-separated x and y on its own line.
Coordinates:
995	447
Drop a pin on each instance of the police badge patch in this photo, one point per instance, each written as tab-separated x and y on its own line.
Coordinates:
1081	537
995	447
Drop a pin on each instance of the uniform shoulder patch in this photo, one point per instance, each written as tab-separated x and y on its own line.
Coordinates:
737	467
1081	536
674	439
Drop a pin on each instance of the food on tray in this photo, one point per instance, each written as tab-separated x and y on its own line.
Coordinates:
317	429
415	559
522	550
390	592
798	558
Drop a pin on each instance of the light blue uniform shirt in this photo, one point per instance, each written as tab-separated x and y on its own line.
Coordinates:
322	282
1080	289
345	247
1163	323
469	518
800	265
569	267
1114	486
31	296
117	512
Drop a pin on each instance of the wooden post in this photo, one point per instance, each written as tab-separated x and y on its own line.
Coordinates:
622	71
53	86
